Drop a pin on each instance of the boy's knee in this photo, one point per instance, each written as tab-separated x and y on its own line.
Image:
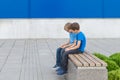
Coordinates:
63	50
59	49
65	54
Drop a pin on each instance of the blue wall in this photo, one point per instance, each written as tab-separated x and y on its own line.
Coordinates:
59	9
14	9
112	8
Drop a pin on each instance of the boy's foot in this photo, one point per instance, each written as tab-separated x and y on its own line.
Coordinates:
55	66
59	69
61	72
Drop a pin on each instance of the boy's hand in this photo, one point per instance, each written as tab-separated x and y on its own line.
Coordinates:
62	46
67	49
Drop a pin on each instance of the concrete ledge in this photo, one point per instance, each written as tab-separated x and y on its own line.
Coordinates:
86	73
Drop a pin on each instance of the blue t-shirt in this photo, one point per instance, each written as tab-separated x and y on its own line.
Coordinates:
72	37
81	37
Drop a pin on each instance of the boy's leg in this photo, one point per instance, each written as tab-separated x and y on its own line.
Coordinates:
58	54
62	51
64	63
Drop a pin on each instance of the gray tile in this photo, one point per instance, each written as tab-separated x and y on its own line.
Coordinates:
33	59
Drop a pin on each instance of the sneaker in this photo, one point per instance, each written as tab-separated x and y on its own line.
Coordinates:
58	69
55	66
61	72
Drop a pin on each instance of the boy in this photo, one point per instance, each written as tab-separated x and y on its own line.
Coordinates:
79	48
61	50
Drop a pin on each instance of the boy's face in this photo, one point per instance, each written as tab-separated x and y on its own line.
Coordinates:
67	30
72	31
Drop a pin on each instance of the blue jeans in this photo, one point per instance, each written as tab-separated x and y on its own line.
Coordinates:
64	61
59	54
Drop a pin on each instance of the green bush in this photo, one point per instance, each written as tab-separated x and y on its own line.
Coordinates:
111	65
114	75
101	56
116	57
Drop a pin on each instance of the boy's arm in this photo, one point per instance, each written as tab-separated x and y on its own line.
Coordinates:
75	47
74	44
70	45
63	45
68	42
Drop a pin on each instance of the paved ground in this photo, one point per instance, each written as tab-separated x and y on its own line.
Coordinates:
33	59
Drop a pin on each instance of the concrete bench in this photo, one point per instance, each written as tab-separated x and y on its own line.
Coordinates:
86	67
